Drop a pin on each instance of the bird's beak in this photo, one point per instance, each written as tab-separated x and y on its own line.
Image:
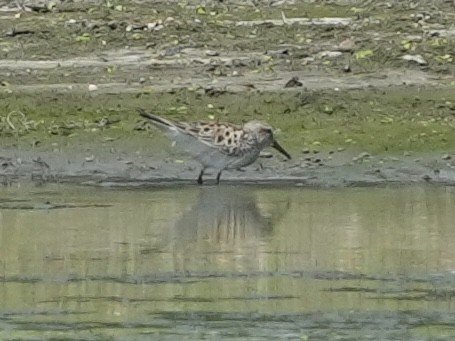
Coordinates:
277	146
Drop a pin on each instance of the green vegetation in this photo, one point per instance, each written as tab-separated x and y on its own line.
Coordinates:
394	120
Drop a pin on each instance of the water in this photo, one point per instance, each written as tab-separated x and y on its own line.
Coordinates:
227	263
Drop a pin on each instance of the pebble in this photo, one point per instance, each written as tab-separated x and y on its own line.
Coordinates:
415	58
92	87
212	53
306	151
361	156
446	157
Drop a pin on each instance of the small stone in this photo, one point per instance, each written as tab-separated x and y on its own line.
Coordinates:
315	151
212	53
92	87
293	83
426	177
90	158
361	156
330	54
142	80
340	149
347	68
406	154
346	45
415	58
306	151
446	157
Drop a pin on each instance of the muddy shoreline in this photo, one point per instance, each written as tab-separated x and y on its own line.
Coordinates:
131	169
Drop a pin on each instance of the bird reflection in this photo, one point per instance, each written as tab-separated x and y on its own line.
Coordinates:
223	215
223	229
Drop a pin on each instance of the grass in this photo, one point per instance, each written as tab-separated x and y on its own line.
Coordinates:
393	120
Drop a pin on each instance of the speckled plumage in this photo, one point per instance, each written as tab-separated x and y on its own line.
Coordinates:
218	145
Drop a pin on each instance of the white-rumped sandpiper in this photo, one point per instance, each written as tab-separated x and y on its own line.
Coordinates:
217	145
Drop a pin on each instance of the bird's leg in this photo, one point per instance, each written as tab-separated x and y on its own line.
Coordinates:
218	177
199	179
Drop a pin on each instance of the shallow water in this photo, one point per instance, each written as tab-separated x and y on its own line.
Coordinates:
230	263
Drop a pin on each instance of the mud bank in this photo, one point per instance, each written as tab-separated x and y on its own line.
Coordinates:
124	168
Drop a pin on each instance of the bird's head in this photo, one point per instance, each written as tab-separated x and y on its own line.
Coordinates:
263	133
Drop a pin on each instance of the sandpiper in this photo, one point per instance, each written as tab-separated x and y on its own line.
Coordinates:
217	145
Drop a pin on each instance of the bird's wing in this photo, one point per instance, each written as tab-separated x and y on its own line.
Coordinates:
227	138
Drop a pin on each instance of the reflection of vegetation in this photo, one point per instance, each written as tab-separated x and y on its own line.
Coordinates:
314	260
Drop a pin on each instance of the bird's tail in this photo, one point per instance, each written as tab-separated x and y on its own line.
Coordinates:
157	120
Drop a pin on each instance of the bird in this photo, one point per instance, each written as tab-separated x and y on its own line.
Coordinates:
218	145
